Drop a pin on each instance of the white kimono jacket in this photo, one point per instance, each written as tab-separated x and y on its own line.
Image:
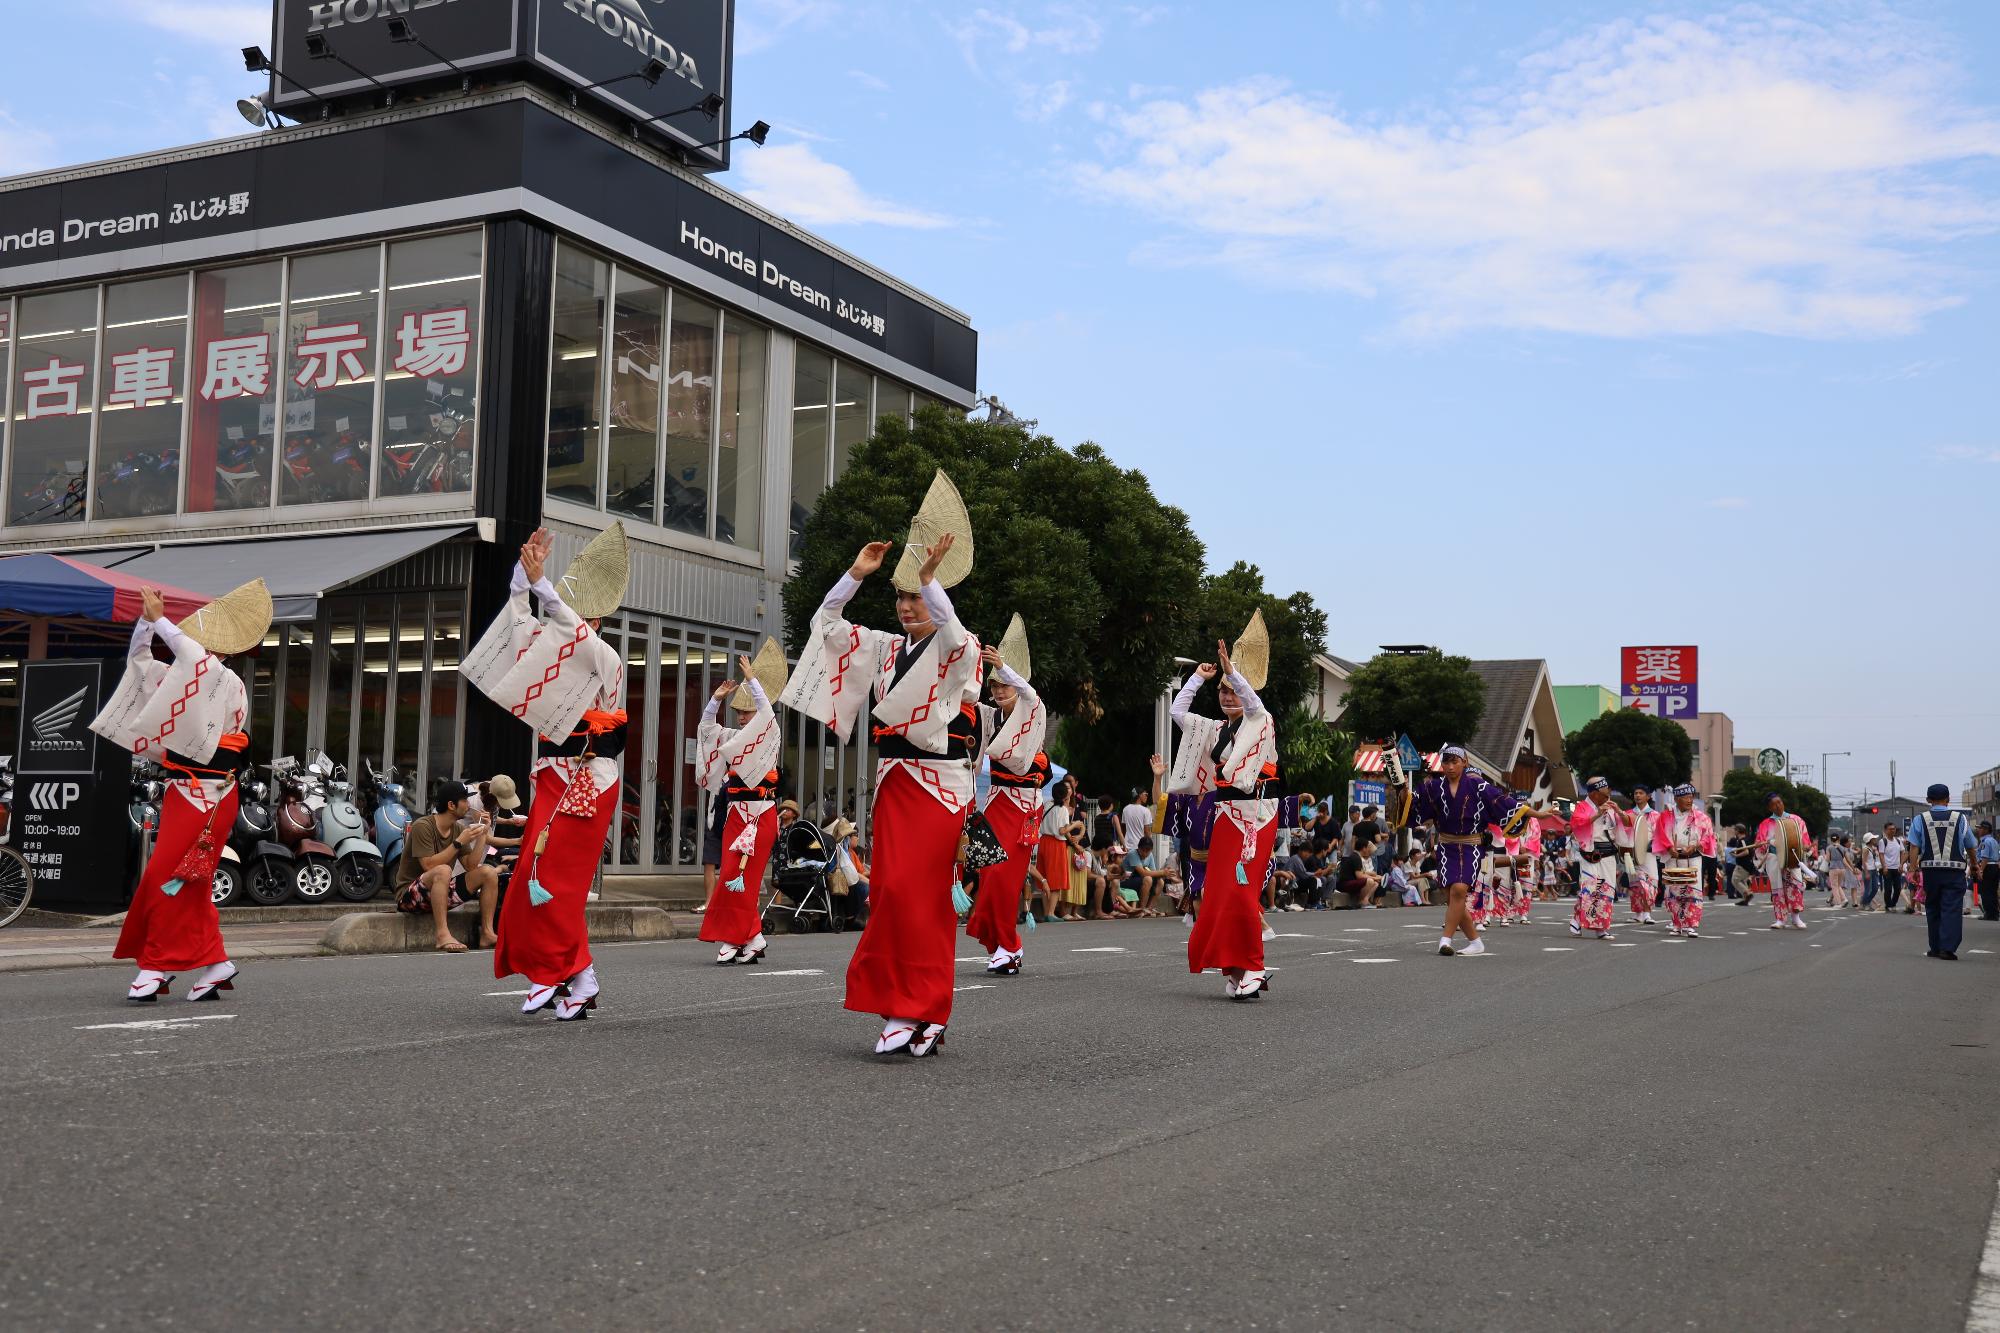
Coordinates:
1016	739
185	707
751	751
844	664
548	674
1195	771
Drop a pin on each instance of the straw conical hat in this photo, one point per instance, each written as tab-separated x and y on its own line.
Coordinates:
943	511
1014	649
1252	654
234	622
594	583
769	669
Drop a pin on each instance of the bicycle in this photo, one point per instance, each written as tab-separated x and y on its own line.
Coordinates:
17	877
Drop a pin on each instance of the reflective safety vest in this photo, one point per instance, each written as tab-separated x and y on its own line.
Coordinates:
1940	849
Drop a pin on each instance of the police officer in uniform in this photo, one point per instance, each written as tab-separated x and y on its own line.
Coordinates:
1941	845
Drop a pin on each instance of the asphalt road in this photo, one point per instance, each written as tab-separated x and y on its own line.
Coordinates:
1766	1130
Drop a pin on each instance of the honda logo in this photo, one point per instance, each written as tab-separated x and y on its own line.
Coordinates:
52	723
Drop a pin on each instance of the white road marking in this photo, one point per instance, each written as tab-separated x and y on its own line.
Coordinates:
1684	942
1294	936
974	958
157	1024
792	972
1624	946
1377	960
1557	948
1984	1316
120	1055
1979	951
1357	930
1101	949
490	994
1413	925
957	988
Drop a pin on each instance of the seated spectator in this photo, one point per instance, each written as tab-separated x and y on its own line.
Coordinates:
1355	874
1148	872
1400	882
442	850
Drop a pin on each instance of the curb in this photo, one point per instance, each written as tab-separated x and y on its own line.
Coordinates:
407	932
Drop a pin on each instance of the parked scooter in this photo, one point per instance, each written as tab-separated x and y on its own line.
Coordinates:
298	829
392	814
357	866
143	812
267	866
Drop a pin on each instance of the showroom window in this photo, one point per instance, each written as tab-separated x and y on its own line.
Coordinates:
55	383
140	400
431	348
331	350
673	435
237	388
232	420
583	282
835	406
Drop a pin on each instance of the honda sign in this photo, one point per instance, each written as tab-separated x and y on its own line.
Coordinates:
70	819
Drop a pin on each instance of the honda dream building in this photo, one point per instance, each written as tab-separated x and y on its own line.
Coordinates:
363	356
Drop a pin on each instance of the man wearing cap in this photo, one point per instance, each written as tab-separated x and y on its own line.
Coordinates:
1460	802
1594	825
1941	845
1683	840
439	848
1987	853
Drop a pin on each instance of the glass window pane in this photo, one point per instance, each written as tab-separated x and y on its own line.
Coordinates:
410	635
443	687
812	389
851	420
234	418
638	318
330	364
374	701
343	626
263	683
145	369
892	400
675	833
631	792
690	415
298	657
739	470
433	355
582	285
54	382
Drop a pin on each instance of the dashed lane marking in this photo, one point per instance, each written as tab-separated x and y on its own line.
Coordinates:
790	972
492	993
1375	960
158	1024
1107	948
1558	948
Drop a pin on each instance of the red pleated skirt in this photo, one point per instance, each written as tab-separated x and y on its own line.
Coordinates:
551	943
1052	859
994	911
182	932
902	968
731	917
1229	931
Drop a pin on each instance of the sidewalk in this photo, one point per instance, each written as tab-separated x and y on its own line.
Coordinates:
34	949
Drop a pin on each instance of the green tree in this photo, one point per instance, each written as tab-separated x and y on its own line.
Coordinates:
1107	577
1313	756
1631	748
1297	628
1745	792
1432	698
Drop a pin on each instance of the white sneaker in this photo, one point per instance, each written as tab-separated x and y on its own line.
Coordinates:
1692	933
1295	908
1444	949
1473	950
1798	922
1187	919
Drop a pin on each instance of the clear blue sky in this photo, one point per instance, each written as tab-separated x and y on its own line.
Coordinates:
1663	323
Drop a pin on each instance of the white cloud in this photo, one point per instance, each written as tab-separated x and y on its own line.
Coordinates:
874	83
230	23
1966	453
762	24
792	180
1068	30
22	149
1742	172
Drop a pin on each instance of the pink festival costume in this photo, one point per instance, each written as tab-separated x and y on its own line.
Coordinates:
1675	834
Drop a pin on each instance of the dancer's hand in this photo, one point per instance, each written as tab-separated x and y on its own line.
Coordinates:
535	555
745	662
725	689
1206	671
152	603
869	560
935	557
1222	656
1159	766
991	657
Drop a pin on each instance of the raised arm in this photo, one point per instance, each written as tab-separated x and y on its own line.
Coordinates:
1184	701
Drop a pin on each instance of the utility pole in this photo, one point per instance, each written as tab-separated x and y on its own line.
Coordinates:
1892	779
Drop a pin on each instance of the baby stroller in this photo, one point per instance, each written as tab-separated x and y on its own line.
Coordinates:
801	881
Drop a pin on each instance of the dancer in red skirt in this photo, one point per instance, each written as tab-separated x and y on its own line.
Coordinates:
569	685
1236	759
740	768
185	714
1018	725
923	682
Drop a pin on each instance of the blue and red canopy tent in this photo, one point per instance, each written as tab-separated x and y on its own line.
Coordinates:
59	586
